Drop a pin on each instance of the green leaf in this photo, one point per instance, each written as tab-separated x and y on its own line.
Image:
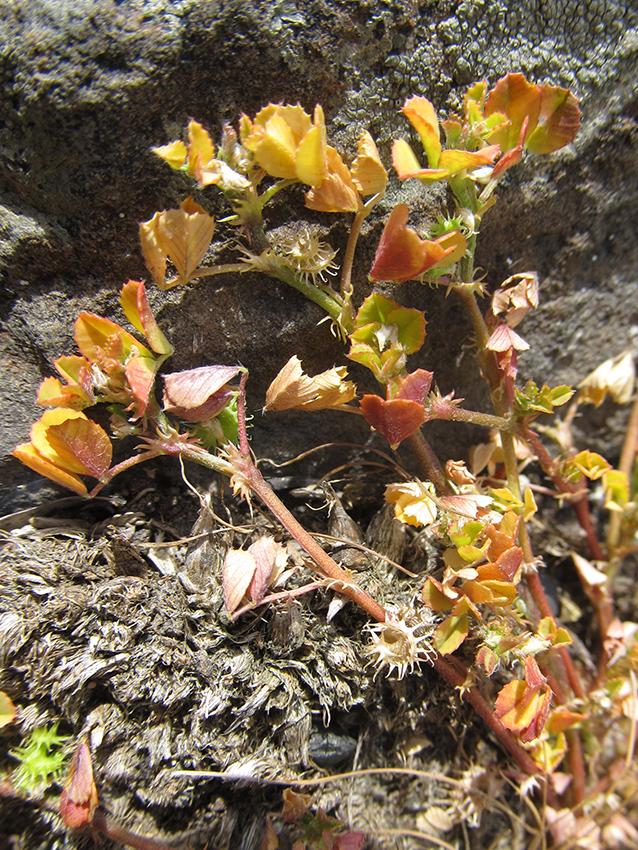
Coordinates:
451	634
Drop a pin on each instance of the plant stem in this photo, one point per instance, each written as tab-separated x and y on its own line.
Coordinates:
107	826
339	579
626	463
348	259
579	499
429	463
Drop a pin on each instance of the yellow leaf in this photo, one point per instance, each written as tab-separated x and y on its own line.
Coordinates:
30	457
311	165
368	173
152	251
174	153
276	151
200	147
413	503
451	634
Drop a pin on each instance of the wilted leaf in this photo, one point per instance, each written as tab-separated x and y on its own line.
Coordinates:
503	338
294	389
616	377
268	555
237	574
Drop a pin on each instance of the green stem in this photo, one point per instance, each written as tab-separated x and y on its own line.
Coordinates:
348	259
326	301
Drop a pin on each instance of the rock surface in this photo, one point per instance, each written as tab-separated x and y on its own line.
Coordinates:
88	87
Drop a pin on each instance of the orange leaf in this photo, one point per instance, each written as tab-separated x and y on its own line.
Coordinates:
140	374
136	309
337	192
368	173
81	445
34	460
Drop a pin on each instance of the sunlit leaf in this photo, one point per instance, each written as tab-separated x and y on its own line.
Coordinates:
29	456
137	310
174	153
368	172
451	634
198	394
68	439
8	711
95	334
337	191
293	389
413	503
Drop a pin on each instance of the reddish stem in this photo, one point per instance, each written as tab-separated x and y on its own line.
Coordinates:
542	603
429	463
577	767
329	568
107	826
579	499
484	710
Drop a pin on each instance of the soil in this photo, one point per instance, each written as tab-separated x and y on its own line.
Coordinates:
113	626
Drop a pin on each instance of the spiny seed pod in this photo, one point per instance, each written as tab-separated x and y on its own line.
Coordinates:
307	256
398	644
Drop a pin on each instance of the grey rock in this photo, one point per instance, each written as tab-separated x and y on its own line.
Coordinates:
86	88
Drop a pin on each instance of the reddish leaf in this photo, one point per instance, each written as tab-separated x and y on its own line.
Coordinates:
558	120
415	386
510	562
395	419
78	800
503	338
402	254
140	374
198	394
